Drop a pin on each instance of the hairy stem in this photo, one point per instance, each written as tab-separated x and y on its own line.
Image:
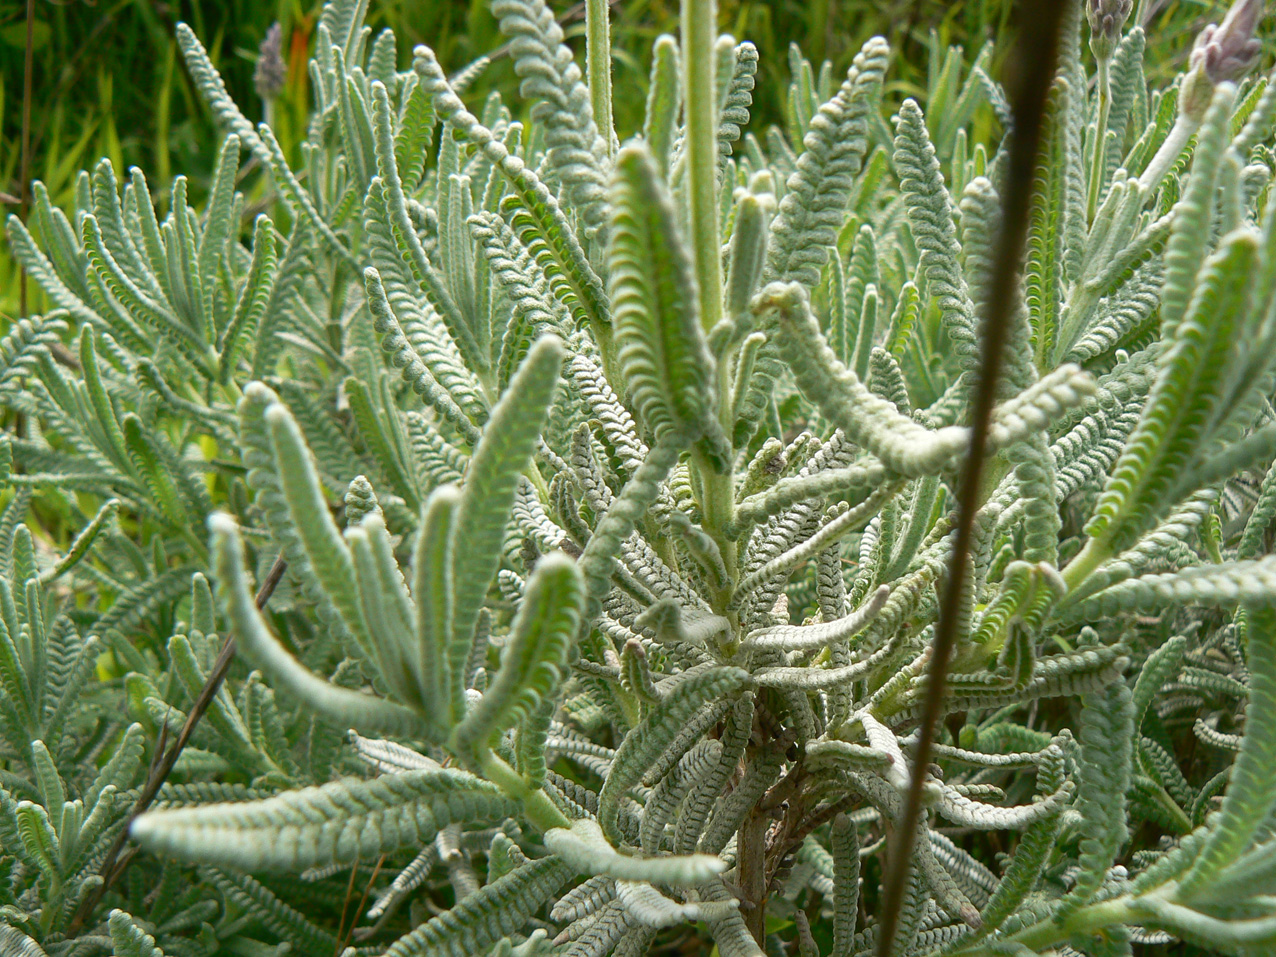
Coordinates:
1080	922
699	34
751	849
1038	47
1093	554
598	66
1180	135
1099	155
540	810
751	842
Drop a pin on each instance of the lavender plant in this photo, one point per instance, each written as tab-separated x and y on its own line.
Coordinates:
615	485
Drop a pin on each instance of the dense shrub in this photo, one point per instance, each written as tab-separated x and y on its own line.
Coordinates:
505	539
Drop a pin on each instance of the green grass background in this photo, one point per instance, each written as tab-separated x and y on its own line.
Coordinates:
108	81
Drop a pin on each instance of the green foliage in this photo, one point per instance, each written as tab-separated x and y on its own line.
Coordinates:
663	359
315	827
597	491
533	663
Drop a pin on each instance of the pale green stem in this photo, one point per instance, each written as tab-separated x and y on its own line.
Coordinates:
534	476
628	704
1081	922
1171	808
1180	135
53	908
541	812
605	341
200	548
1093	554
1075	312
719	510
1099	155
598	66
231	392
699	32
699	36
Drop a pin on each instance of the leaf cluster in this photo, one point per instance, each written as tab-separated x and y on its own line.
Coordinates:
612	486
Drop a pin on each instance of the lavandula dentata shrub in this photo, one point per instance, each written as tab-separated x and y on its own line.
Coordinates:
615	485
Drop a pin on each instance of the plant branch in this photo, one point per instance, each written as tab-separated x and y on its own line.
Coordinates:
699	23
116	860
598	66
24	188
344	941
1098	165
1038	47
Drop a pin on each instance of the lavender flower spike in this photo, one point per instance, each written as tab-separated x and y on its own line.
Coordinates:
1223	53
1230	50
271	71
1106	18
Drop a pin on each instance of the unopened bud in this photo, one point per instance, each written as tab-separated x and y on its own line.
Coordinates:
1222	53
1226	52
1107	18
271	71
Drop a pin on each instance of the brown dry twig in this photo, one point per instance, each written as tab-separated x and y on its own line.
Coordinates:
117	859
1037	49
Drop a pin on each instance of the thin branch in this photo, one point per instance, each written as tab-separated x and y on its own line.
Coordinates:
344	941
1037	50
572	14
116	862
24	188
345	906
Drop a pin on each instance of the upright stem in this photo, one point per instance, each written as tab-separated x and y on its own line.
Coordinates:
1093	554
598	66
751	871
1038	46
1086	920
1075	312
540	810
699	35
24	188
1172	147
1099	155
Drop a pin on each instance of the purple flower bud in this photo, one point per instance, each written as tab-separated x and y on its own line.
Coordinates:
271	70
1107	18
1228	51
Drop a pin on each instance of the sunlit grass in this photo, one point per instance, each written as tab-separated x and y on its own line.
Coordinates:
109	81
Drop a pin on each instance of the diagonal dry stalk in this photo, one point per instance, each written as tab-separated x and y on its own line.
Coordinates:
24	189
343	939
1037	52
117	859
